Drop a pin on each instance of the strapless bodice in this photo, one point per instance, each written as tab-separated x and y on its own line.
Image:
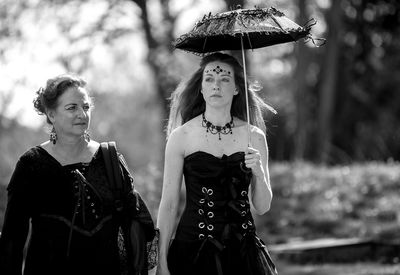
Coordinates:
217	203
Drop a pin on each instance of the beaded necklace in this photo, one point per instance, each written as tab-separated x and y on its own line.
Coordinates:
211	128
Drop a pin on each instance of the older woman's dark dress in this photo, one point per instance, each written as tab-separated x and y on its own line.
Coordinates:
216	234
73	230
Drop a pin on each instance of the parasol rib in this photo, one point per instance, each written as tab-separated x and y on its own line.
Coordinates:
204	44
248	39
277	23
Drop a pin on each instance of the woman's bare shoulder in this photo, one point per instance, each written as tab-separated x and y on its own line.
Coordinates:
257	132
186	128
182	135
254	130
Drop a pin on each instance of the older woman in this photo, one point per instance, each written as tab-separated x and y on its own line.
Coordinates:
61	187
223	176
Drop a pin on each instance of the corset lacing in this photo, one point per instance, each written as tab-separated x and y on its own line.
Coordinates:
237	206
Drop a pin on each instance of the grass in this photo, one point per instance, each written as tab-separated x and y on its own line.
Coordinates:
285	268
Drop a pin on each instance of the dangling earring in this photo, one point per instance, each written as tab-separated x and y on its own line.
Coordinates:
53	136
86	135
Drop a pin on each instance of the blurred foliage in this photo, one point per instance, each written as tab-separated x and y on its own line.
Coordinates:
363	110
123	49
314	201
366	113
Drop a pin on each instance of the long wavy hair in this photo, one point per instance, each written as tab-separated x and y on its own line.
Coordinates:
187	100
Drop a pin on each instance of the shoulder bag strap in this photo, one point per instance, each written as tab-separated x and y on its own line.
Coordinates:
118	182
113	172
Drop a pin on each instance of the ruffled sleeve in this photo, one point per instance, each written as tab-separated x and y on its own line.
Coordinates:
134	204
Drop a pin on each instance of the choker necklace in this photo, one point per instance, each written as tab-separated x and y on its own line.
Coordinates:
211	128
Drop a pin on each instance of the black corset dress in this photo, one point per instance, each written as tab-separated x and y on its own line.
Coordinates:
216	233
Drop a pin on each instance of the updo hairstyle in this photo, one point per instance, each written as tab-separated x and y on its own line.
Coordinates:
47	98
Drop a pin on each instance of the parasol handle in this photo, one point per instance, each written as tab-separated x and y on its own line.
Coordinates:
247	96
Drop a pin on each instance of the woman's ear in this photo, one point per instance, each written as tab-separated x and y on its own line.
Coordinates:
50	115
236	91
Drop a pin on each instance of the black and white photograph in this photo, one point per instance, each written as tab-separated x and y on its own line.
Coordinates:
199	137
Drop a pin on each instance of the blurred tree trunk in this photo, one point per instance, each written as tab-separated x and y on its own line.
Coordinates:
301	90
328	82
159	57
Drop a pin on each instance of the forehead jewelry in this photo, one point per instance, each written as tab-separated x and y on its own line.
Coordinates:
211	128
218	70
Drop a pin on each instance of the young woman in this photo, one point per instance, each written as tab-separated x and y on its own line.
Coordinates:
223	175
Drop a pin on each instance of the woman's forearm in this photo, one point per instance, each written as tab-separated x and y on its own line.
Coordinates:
261	194
166	223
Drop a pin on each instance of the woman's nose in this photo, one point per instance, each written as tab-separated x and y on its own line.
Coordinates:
81	112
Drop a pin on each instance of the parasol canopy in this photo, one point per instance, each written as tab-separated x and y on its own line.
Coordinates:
255	28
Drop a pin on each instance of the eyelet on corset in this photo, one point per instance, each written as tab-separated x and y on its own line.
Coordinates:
204	190
210	192
210	236
243	193
202	225
249	223
201	236
210	227
242	205
244	226
202	201
201	211
243	213
210	204
210	214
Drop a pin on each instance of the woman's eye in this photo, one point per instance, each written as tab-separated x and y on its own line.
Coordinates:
208	79
226	80
86	107
71	108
